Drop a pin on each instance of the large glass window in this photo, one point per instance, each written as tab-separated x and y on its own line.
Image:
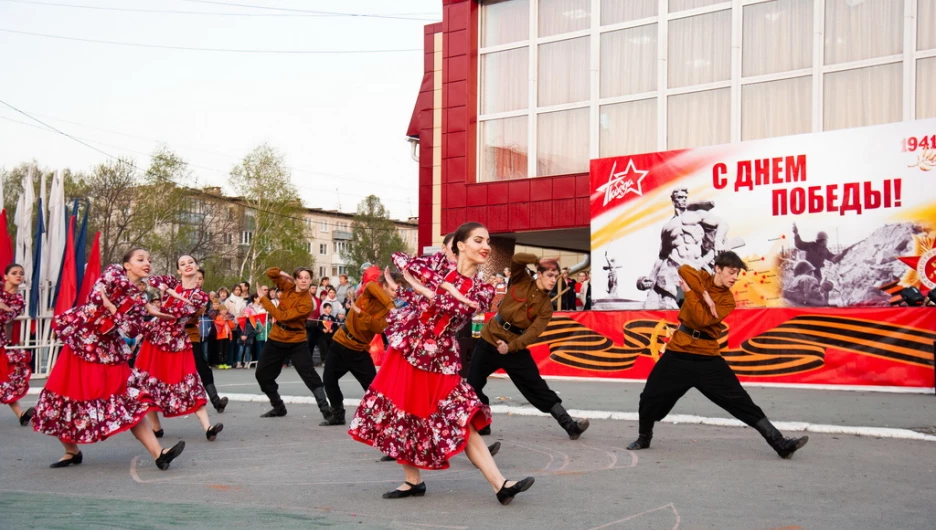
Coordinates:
505	80
563	72
864	96
617	11
926	88
777	108
856	30
562	142
700	49
505	21
777	37
698	119
629	61
563	16
559	84
926	27
503	149
628	128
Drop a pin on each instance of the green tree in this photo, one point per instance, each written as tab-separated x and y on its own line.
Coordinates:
13	187
374	237
273	230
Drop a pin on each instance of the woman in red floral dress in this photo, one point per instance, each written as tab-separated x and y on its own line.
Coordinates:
14	364
88	397
419	410
165	365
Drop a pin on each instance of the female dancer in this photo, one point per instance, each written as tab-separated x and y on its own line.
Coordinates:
14	365
165	364
418	409
193	327
87	397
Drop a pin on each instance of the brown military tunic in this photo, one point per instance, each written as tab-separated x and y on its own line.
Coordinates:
525	306
695	313
363	326
293	310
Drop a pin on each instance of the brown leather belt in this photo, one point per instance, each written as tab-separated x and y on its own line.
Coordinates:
350	336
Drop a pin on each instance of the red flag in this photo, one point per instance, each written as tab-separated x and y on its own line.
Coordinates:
92	271
6	244
67	288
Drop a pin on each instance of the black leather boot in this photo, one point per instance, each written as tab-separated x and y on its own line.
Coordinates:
337	418
645	434
219	403
278	410
575	428
785	447
322	402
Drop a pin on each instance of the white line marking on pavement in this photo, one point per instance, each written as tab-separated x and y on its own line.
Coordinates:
796	426
641	514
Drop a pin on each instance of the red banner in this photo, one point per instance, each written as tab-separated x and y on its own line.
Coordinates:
873	347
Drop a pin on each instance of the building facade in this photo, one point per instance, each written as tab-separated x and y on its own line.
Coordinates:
519	96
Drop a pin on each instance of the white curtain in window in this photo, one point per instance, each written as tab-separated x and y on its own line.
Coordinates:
698	119
682	5
505	80
865	96
700	49
504	149
777	108
629	61
562	142
777	37
504	21
563	16
628	128
862	29
563	72
617	11
926	24
926	88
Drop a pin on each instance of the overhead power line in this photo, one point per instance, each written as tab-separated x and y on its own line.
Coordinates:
308	11
394	16
134	166
197	49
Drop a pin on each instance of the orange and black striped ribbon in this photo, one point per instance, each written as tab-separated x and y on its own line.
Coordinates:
798	345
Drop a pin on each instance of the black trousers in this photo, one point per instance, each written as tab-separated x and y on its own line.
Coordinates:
271	364
201	365
341	360
520	367
677	372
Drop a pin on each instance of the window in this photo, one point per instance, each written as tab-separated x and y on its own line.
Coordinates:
228	239
323	249
309	247
323	225
251	220
246	238
341	247
321	272
560	84
227	264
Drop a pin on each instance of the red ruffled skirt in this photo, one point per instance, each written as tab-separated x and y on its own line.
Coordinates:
169	379
85	402
14	375
420	418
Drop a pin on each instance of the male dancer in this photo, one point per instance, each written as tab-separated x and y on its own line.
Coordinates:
201	365
522	316
288	340
693	359
350	346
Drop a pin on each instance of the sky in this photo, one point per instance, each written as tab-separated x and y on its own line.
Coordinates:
339	119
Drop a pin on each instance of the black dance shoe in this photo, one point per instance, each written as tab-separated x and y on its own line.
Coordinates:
505	495
26	416
386	458
76	459
415	490
274	413
494	448
486	430
159	433
169	455
213	431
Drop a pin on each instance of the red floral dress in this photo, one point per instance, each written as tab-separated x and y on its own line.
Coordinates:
15	367
418	408
165	365
87	397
